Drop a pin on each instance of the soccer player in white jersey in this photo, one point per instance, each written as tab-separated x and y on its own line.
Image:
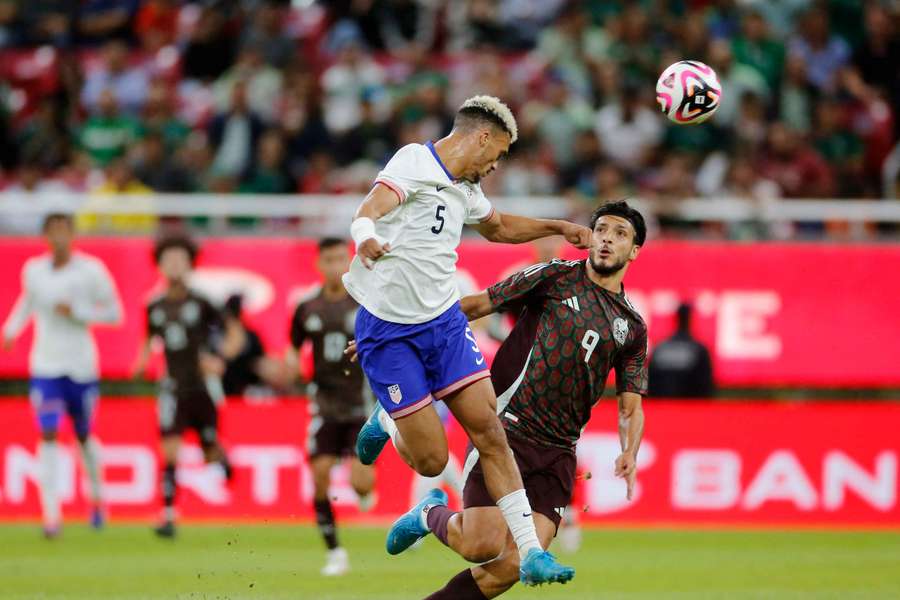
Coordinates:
66	292
413	341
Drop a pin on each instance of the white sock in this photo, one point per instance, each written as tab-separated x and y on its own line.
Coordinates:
387	423
90	458
48	459
452	476
517	511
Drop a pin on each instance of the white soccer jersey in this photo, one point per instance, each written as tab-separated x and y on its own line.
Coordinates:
415	282
64	346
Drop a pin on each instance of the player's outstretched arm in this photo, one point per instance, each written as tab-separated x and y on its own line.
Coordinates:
380	201
475	306
104	305
513	229
631	431
19	315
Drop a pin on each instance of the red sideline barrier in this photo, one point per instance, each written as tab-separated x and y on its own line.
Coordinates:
701	463
793	314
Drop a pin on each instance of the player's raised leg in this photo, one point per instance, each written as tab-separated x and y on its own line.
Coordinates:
475	409
498	575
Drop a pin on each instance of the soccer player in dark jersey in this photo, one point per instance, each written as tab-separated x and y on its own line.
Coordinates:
575	325
186	324
338	407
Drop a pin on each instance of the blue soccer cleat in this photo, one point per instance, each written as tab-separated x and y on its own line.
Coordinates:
409	529
371	438
540	567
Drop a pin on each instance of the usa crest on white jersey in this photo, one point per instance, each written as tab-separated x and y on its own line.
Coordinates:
395	393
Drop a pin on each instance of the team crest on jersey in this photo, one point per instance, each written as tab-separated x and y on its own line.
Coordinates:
157	316
190	312
395	393
620	330
313	323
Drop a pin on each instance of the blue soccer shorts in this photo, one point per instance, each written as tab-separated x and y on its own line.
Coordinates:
408	366
52	397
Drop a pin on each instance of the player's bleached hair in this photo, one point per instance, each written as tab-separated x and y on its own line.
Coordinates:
493	110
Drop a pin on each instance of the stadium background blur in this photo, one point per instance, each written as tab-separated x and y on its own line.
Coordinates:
294	106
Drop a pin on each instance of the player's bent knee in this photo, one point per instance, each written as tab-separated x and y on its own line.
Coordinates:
431	465
481	550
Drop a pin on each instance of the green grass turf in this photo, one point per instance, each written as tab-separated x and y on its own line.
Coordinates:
282	562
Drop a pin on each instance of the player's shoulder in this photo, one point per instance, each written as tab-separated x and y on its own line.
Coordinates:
558	267
412	160
309	298
411	152
199	297
36	264
633	311
88	262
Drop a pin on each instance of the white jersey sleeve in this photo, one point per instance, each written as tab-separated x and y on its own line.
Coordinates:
22	309
101	304
401	172
479	207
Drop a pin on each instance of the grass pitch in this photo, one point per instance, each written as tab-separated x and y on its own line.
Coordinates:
282	562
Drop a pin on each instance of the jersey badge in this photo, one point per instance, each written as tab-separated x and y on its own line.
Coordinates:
157	316
395	393
620	330
190	312
313	323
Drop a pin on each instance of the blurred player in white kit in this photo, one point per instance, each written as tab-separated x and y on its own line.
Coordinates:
66	292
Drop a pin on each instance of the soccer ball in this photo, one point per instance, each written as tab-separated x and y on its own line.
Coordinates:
688	92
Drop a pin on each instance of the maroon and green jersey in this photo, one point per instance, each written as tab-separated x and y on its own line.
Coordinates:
552	368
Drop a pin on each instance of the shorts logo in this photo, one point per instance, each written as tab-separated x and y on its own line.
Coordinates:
620	330
395	393
561	511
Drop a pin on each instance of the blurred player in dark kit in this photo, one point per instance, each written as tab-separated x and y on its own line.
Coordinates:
337	392
186	324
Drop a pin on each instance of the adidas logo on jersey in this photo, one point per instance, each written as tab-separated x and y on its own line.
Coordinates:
572	303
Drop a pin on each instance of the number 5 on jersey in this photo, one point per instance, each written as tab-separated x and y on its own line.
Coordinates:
436	229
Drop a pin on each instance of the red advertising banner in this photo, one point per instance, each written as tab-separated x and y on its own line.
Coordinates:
792	314
700	463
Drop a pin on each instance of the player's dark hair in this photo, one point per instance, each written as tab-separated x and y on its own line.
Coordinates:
620	208
175	241
57	216
471	116
330	242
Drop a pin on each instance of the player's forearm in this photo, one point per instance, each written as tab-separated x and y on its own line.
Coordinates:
475	306
631	425
17	318
514	229
109	312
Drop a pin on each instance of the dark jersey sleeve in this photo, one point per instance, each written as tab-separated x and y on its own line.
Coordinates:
631	366
298	330
213	326
526	286
152	330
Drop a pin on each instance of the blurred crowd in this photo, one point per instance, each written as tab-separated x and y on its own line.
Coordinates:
267	96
